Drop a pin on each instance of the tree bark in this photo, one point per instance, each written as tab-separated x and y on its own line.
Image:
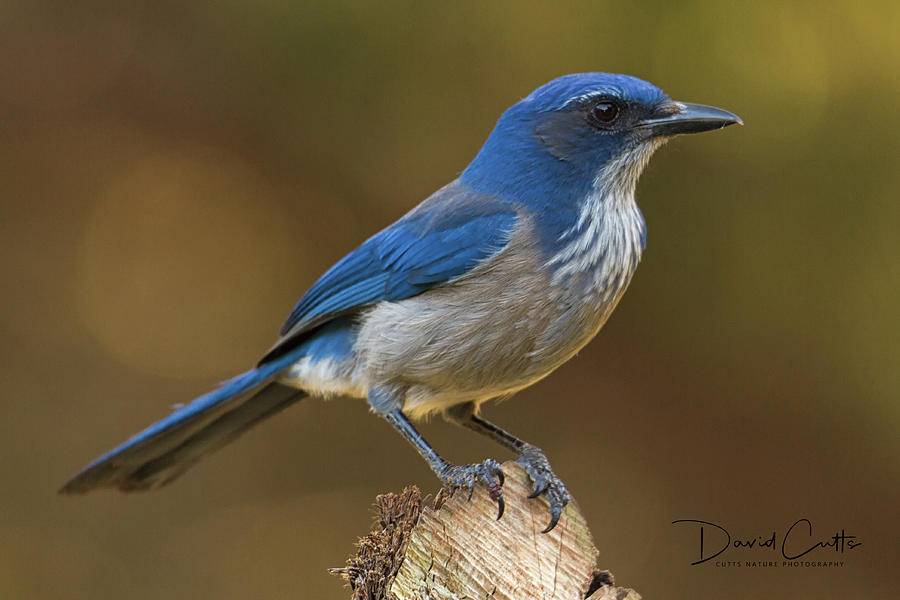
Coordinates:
450	547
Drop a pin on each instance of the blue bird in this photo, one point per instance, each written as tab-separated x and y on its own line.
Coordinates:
481	290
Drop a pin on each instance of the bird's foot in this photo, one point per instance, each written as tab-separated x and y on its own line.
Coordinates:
545	481
465	476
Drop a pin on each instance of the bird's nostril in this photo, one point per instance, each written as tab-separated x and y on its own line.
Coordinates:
667	109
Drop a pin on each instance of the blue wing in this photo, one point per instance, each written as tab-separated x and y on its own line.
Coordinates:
441	239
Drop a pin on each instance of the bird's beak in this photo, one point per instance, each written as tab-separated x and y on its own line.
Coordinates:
683	117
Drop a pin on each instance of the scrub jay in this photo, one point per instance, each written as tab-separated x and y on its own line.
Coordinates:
481	290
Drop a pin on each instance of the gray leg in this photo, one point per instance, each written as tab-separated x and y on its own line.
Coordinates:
456	476
530	457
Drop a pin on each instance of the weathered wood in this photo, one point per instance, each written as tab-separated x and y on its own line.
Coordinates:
451	547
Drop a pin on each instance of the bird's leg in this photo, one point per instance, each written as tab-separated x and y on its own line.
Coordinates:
530	457
456	476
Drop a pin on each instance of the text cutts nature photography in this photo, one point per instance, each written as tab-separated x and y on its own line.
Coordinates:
798	545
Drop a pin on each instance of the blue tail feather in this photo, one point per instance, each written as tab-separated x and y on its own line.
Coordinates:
169	447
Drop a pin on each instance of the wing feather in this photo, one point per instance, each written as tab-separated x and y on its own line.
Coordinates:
440	240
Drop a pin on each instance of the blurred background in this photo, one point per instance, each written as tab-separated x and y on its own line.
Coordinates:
175	175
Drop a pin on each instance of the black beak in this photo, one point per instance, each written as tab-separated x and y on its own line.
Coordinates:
682	117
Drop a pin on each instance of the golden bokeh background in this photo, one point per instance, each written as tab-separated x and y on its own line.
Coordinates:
175	175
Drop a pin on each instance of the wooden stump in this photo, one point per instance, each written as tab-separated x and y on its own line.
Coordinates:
451	547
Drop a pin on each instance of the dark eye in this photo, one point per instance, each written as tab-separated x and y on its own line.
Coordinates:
605	112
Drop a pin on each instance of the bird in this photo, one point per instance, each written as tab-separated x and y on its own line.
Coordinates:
483	289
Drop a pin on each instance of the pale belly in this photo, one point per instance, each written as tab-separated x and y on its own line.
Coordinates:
480	338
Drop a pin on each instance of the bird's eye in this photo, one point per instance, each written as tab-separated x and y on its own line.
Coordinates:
605	112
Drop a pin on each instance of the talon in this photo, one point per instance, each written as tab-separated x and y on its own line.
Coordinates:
554	519
539	490
488	472
545	482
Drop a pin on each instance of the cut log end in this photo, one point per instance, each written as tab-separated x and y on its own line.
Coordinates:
450	547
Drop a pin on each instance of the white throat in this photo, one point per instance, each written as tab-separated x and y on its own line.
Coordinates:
606	242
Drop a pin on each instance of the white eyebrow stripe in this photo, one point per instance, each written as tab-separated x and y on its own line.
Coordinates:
611	94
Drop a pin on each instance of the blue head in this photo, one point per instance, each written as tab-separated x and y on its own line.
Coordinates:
549	149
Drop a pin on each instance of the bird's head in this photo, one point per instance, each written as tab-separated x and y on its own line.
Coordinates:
570	131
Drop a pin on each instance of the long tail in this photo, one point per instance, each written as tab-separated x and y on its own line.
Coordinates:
169	447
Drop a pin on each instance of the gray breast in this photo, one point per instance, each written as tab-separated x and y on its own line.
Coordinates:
505	325
476	338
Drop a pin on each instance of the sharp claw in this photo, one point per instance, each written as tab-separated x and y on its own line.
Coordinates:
488	472
539	490
554	519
